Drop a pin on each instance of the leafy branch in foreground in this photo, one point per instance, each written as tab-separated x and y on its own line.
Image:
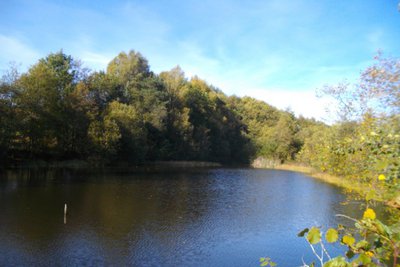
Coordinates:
372	244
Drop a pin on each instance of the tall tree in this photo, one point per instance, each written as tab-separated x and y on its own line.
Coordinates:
43	102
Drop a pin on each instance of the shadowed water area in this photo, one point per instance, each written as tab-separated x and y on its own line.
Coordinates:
181	217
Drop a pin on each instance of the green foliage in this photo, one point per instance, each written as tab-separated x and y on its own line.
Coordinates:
129	70
275	135
267	262
42	105
337	262
130	125
314	235
378	243
105	136
331	235
348	240
366	150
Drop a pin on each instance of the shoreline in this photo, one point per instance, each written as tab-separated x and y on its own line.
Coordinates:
357	188
84	164
261	163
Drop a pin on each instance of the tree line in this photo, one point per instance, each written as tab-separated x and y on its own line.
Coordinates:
58	110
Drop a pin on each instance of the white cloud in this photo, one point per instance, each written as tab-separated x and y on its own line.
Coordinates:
15	50
95	61
303	103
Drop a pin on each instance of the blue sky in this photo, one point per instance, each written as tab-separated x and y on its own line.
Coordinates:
275	50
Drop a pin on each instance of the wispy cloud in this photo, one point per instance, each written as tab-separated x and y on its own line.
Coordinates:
15	50
95	61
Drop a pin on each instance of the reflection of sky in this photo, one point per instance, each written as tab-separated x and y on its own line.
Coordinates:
83	247
223	217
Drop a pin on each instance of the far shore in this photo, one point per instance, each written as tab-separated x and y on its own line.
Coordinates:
262	163
185	164
83	164
351	186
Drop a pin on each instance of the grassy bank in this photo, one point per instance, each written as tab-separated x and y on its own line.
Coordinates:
331	179
296	167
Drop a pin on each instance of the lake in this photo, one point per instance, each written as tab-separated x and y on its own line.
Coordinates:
175	217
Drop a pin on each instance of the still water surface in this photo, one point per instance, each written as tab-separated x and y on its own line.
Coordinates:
196	217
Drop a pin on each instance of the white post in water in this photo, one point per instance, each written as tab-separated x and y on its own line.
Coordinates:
65	213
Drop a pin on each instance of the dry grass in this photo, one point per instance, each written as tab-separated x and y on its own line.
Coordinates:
314	173
325	177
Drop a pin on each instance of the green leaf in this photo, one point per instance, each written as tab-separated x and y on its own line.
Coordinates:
262	259
382	228
348	240
364	259
337	262
265	263
303	232
314	235
331	235
364	244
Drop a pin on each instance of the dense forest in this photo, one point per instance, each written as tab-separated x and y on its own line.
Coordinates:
59	110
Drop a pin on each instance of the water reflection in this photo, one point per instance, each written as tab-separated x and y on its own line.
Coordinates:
196	217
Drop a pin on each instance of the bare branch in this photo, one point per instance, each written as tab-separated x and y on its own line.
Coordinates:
347	217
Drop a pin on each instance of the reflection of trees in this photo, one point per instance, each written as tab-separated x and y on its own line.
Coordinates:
33	202
116	208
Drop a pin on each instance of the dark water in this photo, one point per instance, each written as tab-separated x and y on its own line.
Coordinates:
209	217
